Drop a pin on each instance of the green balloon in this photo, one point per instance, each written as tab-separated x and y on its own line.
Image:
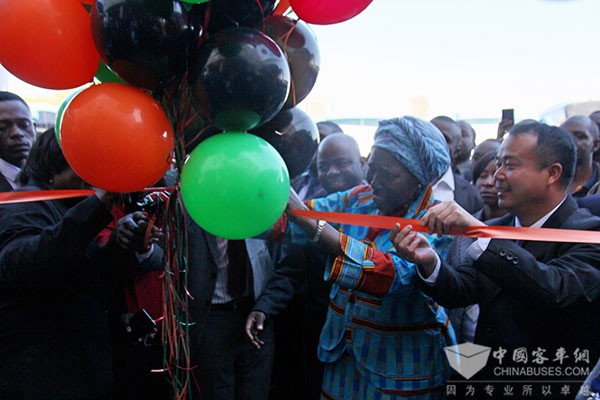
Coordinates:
61	111
235	185
105	74
237	120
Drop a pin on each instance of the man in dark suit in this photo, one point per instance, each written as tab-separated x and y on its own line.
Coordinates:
17	133
532	295
228	367
451	185
55	284
591	202
297	293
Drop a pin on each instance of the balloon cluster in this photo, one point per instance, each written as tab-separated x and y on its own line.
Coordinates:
167	72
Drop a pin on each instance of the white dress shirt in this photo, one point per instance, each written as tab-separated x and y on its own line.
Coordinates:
10	172
443	189
477	248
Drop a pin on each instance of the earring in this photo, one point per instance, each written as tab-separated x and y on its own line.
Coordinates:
50	181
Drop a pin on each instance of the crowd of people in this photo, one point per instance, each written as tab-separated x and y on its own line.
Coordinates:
310	309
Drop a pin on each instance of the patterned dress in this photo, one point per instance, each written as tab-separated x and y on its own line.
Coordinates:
383	338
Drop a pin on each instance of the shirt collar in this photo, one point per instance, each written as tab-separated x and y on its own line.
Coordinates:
10	172
540	222
446	180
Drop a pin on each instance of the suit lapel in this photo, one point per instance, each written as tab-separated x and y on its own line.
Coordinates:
4	185
213	247
540	249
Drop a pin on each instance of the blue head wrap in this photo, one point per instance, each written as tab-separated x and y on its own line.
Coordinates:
418	145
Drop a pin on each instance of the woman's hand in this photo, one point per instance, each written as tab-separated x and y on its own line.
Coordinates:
446	215
414	248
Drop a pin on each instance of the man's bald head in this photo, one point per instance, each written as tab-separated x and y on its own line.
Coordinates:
451	131
585	132
339	164
467	143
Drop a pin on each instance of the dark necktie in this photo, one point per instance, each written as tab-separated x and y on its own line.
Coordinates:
237	269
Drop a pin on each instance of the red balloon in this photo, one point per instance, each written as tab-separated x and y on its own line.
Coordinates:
328	12
48	43
117	137
282	7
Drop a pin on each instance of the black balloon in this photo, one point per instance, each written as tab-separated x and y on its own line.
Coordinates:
299	43
239	79
294	135
216	15
145	42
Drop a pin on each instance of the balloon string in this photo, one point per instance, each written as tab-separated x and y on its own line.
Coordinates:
198	135
285	37
262	12
148	234
207	16
176	356
496	232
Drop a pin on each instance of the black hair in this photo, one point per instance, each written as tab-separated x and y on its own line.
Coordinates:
554	145
9	96
482	163
45	160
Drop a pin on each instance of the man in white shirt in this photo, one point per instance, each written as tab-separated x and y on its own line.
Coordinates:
452	186
17	134
531	294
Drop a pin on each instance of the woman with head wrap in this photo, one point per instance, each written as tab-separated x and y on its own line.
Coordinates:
383	338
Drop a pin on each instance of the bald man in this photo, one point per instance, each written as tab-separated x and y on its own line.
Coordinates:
587	172
452	186
339	165
297	293
467	144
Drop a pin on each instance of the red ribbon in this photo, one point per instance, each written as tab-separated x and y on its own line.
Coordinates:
372	221
495	232
41	195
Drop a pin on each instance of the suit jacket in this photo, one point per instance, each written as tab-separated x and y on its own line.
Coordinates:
537	294
4	185
466	195
591	202
54	295
202	277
